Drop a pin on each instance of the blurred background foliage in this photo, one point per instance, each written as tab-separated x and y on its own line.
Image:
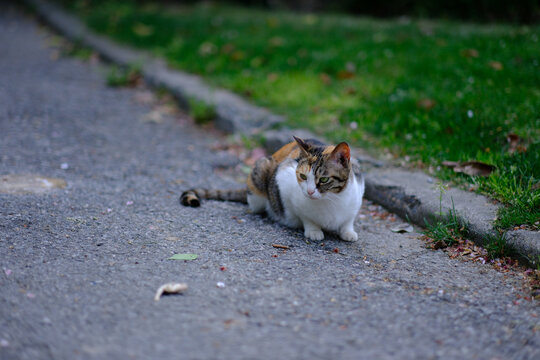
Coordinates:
518	11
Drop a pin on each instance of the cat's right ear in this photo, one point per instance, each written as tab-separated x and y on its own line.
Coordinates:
342	154
302	144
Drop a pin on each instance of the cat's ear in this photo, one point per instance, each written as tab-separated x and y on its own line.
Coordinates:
302	144
341	154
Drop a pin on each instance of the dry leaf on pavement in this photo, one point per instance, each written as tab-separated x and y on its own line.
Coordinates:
402	228
170	288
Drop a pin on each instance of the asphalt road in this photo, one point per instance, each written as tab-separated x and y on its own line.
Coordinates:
80	265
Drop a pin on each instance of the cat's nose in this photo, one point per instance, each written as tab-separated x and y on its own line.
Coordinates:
311	192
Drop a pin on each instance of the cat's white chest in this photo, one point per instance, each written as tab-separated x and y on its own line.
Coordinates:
330	213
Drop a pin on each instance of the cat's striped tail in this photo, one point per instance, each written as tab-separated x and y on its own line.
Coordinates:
193	197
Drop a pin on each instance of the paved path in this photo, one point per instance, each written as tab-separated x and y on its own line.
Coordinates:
80	265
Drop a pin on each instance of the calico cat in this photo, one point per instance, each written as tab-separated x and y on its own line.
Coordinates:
305	184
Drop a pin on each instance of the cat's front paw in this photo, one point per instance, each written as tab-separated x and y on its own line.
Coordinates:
314	234
349	235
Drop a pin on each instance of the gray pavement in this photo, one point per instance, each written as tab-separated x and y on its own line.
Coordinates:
80	264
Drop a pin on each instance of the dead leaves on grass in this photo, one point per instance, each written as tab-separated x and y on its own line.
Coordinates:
472	168
496	65
426	104
515	143
470	53
477	168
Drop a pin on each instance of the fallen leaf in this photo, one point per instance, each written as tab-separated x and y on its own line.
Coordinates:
439	244
228	48
472	168
142	29
426	104
230	322
345	74
310	19
238	55
495	65
403	228
470	53
169	109
272	21
325	78
272	77
277	41
144	97
450	164
350	66
170	288
515	143
475	168
207	48
184	257
154	116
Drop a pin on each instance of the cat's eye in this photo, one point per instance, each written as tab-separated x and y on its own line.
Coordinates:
323	180
303	177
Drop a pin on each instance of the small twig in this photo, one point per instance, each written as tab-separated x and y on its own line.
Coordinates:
281	246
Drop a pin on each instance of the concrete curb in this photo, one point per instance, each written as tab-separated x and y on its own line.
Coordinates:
412	195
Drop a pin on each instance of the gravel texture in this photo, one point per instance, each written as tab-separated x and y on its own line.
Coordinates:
79	266
233	113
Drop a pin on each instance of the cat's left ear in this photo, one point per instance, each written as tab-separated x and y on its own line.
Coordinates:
341	154
302	144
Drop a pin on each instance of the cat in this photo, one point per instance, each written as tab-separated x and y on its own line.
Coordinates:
305	184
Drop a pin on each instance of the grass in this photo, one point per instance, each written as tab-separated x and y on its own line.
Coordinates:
445	233
429	90
200	111
77	50
497	247
447	230
120	76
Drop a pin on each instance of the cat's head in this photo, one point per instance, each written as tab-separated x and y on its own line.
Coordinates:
321	169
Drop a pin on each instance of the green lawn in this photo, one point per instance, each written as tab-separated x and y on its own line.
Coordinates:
429	90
